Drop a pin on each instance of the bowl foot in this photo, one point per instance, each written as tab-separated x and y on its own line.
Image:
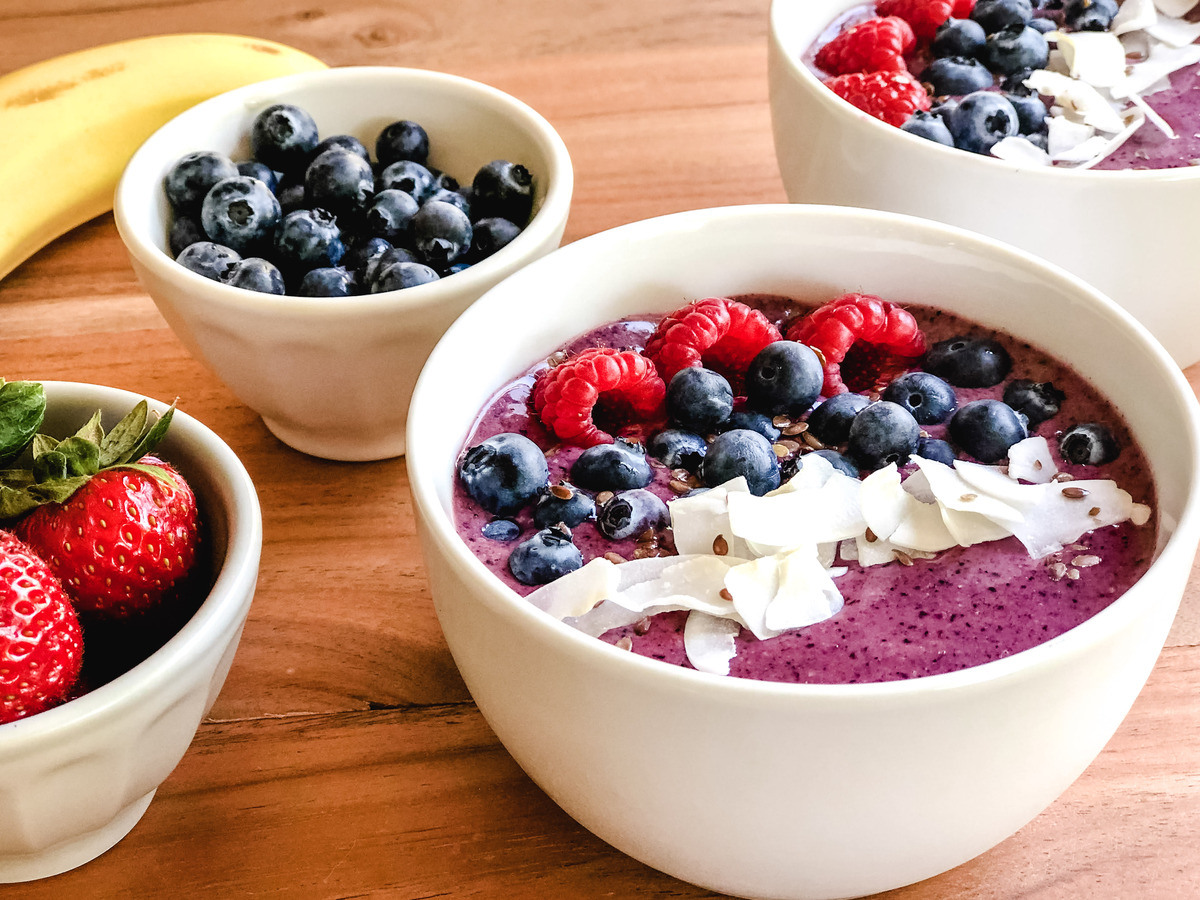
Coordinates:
337	445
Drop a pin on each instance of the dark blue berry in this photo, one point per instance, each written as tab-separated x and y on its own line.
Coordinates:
840	461
830	422
936	450
928	125
619	466
490	234
504	473
408	176
956	75
881	434
255	274
308	239
339	181
741	452
981	120
784	378
291	197
1037	400
958	37
547	555
563	504
504	530
996	14
241	213
755	421
400	275
699	399
402	140
454	198
1031	112
185	231
1089	15
969	362
283	137
1089	444
377	263
441	233
678	449
985	429
193	176
1016	48
927	397
390	215
629	513
504	189
361	251
346	142
263	173
332	281
1043	24
208	259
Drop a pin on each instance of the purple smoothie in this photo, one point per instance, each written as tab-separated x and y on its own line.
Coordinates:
965	607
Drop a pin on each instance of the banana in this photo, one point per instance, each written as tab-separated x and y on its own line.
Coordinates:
68	125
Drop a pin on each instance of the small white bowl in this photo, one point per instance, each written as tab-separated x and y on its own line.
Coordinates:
79	776
332	377
1131	234
797	791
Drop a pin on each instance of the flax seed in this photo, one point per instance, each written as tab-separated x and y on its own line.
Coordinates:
720	545
725	595
614	558
1074	493
562	492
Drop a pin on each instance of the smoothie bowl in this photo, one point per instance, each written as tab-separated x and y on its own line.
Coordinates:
1118	223
737	782
330	365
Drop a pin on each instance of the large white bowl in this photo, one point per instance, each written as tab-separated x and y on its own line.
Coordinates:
75	779
1131	234
777	790
332	378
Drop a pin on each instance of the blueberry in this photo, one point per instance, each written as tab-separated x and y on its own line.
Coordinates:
504	530
928	125
785	378
408	176
958	37
830	422
444	181
629	513
678	449
981	120
927	397
936	450
619	466
454	198
840	461
240	212
563	503
504	189
996	14
347	142
185	231
1089	15
490	234
441	233
1031	112
331	281
986	429
882	433
969	362
955	75
547	555
397	276
308	239
755	421
208	259
192	177
402	140
282	137
376	264
263	173
362	251
1016	48
699	399
741	452
339	181
1038	400
390	215
1089	444
254	274
291	198
1043	25
504	473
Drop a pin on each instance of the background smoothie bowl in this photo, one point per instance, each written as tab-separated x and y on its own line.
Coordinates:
372	219
748	785
1108	201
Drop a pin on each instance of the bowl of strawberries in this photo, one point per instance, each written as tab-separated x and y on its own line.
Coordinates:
130	537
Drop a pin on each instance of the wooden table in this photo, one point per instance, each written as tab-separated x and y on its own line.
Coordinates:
344	756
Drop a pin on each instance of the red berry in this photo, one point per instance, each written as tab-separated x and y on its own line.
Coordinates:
962	9
41	645
889	96
121	541
865	341
923	15
717	333
875	45
566	397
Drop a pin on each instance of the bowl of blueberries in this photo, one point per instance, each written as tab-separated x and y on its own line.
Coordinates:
1060	126
309	238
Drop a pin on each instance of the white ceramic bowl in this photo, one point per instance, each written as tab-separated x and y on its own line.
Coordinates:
75	779
792	791
1131	234
332	378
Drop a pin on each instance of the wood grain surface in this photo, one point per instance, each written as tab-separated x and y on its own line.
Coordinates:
344	757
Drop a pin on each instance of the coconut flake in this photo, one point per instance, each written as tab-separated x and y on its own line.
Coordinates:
1134	15
692	582
1079	100
1031	460
708	642
697	521
577	592
1163	60
1094	57
779	593
805	516
1176	9
883	501
1018	149
1174	32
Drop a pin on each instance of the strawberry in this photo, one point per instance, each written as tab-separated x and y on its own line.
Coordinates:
889	96
923	15
874	45
41	644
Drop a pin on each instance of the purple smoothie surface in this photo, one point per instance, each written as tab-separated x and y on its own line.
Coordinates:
965	607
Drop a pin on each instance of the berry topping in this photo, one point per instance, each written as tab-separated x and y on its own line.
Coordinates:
937	450
1036	401
547	555
619	466
566	397
881	434
875	45
713	332
698	399
785	378
996	14
969	362
741	452
889	96
986	429
565	504
864	340
923	15
630	513
839	461
755	421
981	120
1089	444
958	37
927	397
1089	15
504	473
956	75
1016	48
830	422
677	449
929	125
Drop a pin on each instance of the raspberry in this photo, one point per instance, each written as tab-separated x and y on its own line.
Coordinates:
866	341
962	9
889	96
923	15
875	45
603	379
715	332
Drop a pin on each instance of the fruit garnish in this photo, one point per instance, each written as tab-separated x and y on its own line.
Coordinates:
865	340
22	409
567	396
923	15
716	332
41	644
874	45
889	96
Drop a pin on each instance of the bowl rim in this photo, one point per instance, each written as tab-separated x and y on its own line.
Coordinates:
423	474
549	216
784	51
227	600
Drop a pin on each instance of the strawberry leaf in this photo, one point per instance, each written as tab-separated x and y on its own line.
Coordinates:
92	430
59	490
22	409
83	456
153	437
15	503
42	444
120	443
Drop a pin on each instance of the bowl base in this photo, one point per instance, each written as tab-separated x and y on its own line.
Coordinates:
337	445
72	853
